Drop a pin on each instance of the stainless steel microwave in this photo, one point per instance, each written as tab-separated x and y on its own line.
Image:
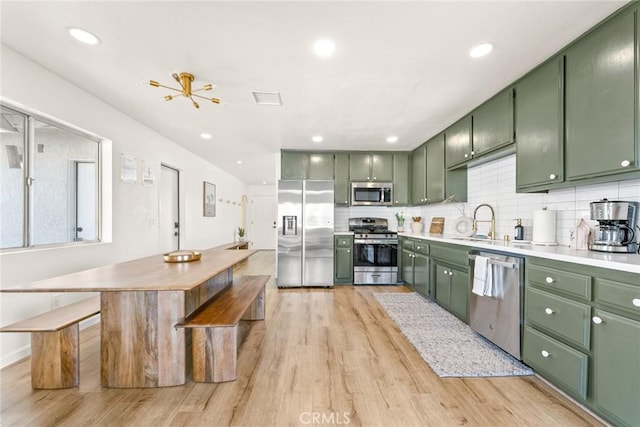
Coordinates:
371	194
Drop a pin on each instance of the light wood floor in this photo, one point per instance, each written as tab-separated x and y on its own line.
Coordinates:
322	357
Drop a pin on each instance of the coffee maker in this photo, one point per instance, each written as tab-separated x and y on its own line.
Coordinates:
616	226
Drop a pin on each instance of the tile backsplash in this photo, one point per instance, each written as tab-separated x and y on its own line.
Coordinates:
494	183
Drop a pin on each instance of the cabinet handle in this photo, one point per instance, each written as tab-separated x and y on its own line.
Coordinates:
473	152
545	353
548	310
446	272
451	273
553	176
597	320
418	247
636	302
348	251
466	155
549	280
625	163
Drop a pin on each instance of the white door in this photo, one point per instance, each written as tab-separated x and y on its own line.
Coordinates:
263	222
85	201
169	206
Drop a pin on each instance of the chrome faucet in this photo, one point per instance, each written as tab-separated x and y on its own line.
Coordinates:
492	233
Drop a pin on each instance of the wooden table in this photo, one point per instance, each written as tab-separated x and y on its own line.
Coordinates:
140	303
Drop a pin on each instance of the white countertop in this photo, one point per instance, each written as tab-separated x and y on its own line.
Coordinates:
615	261
343	233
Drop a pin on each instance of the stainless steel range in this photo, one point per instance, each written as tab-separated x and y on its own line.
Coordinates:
375	252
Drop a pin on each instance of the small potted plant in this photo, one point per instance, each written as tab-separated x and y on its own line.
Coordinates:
241	233
416	225
400	219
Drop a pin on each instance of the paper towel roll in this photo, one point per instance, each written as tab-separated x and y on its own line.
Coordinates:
544	227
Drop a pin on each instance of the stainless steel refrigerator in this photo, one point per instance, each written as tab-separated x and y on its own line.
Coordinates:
305	233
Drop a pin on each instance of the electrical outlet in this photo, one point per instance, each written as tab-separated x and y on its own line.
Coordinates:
56	301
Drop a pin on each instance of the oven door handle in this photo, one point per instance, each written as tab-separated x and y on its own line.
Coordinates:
374	242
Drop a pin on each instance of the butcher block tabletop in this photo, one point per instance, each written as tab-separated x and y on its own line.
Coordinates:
143	274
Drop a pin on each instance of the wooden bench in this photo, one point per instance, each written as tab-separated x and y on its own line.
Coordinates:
215	328
55	361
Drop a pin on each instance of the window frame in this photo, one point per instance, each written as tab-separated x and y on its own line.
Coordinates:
30	178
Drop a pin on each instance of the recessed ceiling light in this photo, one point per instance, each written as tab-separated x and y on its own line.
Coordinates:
481	50
324	47
392	139
264	182
205	136
317	138
239	162
83	36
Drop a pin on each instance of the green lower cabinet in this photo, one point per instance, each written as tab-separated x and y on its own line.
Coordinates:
421	274
560	316
414	265
406	269
343	259
616	367
460	293
582	334
450	275
559	363
443	285
452	289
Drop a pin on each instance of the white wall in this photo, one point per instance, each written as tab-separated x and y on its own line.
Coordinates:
134	206
494	183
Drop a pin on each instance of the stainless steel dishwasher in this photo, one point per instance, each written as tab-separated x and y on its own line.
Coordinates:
498	317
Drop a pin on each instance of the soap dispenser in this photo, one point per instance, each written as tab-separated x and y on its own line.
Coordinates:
519	230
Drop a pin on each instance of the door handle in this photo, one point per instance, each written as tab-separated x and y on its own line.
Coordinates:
176	234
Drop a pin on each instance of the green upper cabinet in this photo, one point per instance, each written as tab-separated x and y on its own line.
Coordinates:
458	147
306	165
539	126
435	169
601	100
493	123
320	166
401	176
341	185
382	167
294	165
419	175
359	167
371	167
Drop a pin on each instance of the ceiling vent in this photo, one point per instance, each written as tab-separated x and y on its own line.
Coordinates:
266	98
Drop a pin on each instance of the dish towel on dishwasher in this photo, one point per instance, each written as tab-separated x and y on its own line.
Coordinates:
482	276
497	288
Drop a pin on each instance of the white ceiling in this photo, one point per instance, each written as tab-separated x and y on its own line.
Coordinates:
400	68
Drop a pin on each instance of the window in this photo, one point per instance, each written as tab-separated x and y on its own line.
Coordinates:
50	182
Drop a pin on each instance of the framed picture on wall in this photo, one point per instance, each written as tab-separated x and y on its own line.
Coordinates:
209	199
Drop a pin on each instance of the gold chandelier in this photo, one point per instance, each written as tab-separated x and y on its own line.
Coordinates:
184	80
